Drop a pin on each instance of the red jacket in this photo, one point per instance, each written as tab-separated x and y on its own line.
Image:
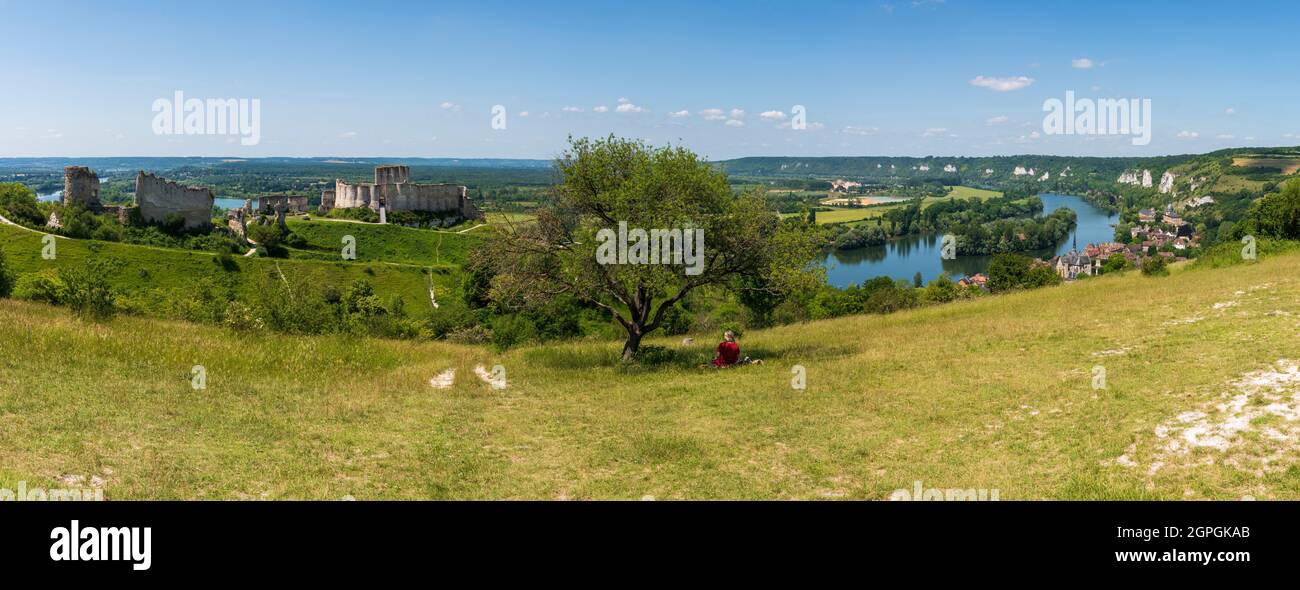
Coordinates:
728	354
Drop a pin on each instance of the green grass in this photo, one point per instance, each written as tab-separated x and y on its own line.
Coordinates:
507	219
959	193
850	214
154	271
855	215
993	393
389	243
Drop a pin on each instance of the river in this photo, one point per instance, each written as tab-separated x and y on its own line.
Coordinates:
902	258
221	202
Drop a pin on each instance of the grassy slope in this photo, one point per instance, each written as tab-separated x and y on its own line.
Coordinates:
149	268
993	393
388	242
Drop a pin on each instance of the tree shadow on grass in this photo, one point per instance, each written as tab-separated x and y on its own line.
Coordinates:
653	358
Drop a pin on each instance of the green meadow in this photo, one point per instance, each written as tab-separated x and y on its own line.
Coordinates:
993	393
390	243
152	273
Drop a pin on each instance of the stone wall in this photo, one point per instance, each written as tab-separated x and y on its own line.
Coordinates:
392	174
326	200
401	195
158	198
438	198
292	203
81	187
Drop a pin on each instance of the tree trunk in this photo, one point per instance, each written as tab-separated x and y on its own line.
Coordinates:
630	347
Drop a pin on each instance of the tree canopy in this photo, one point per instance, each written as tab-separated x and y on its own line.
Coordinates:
619	187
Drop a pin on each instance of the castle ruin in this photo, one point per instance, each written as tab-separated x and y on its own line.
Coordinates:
326	200
81	187
293	204
158	198
392	191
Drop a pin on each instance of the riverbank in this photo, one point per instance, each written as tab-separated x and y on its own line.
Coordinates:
901	258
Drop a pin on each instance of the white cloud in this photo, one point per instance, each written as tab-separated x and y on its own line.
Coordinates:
523	113
572	109
347	134
998	120
853	130
1187	134
772	116
712	115
935	132
735	123
737	113
623	100
627	107
682	114
1082	63
53	134
1225	136
601	109
449	106
1230	111
1002	84
1033	136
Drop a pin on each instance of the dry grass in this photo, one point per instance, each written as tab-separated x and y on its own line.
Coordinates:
994	393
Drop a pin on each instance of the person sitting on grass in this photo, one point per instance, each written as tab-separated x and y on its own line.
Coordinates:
729	353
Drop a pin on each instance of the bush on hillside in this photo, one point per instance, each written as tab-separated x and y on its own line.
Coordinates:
1155	266
45	286
6	278
241	318
89	293
1277	215
19	205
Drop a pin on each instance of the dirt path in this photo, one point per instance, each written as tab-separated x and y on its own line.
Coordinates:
35	231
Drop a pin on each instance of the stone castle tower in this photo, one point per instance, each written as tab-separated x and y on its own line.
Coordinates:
392	174
81	187
392	191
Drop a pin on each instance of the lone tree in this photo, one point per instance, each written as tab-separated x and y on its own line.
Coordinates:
634	229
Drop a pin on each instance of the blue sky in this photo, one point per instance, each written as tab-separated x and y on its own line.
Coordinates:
419	79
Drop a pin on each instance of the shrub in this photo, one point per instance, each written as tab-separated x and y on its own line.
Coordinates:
45	286
241	318
18	203
512	330
268	236
1155	266
226	262
1116	263
89	293
473	334
1277	215
6	280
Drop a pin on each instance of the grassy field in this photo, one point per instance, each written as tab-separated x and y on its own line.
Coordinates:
854	215
1288	164
959	193
507	218
153	271
996	393
390	243
850	214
